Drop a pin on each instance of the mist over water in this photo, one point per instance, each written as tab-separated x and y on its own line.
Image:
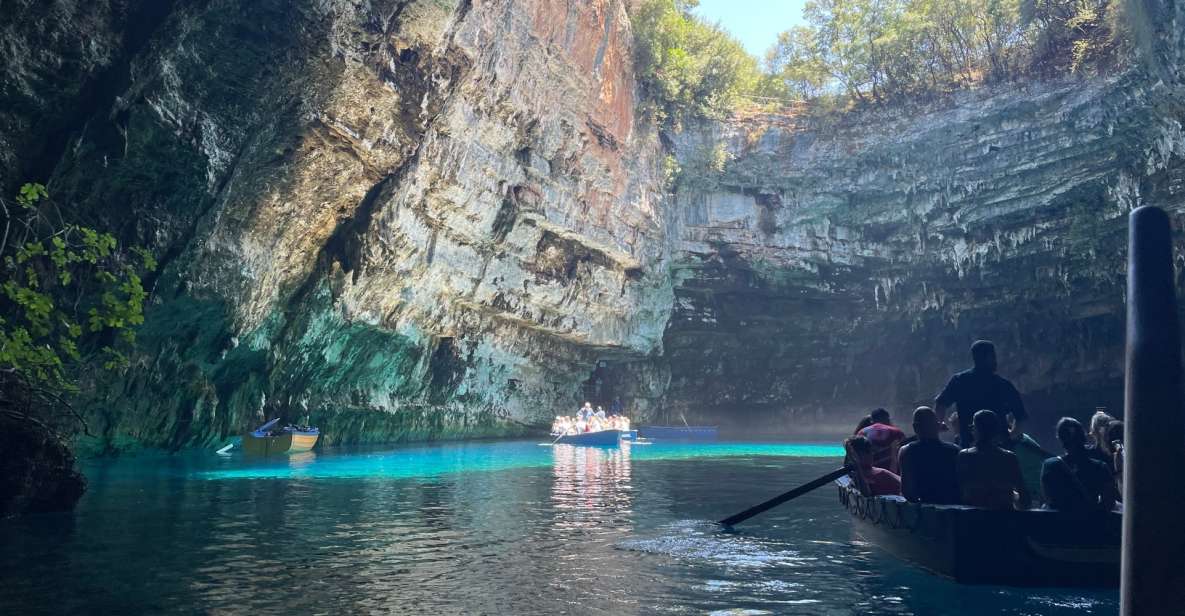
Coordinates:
476	528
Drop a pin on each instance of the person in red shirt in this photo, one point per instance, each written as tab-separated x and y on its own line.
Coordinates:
872	480
885	439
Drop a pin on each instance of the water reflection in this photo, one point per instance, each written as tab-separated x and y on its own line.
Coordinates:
592	479
480	528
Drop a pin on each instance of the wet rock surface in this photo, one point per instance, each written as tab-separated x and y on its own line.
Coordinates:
37	470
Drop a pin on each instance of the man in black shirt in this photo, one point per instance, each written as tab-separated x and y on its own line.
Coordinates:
977	389
928	473
1074	482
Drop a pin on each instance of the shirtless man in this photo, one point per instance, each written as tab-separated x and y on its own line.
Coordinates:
990	476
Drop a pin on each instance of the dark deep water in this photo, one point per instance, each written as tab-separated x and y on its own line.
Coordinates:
475	528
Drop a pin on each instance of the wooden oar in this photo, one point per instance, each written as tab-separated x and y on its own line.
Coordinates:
788	496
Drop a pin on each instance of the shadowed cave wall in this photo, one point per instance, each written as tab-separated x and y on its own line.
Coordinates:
443	218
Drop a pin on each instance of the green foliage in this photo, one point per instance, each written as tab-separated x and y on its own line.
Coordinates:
68	296
688	68
881	50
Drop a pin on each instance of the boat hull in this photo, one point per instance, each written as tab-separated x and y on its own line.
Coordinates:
603	438
1037	548
288	442
679	433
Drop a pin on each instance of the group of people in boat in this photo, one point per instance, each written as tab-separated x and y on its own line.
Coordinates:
992	463
589	420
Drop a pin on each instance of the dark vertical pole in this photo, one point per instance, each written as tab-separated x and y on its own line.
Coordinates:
1154	500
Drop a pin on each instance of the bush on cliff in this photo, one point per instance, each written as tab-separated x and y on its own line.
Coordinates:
69	301
687	68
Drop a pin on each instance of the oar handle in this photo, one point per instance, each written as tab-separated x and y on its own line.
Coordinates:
788	496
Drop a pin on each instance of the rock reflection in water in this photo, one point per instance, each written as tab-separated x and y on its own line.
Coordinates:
476	528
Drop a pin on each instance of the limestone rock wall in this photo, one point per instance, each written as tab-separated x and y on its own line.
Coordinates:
827	269
407	219
441	218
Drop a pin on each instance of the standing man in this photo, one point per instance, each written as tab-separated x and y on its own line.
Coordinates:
978	389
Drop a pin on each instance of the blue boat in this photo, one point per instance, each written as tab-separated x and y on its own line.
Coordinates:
679	433
603	438
629	435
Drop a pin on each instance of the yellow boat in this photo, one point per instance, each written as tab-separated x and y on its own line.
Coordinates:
263	442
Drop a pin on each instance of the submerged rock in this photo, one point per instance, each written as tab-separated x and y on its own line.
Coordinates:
38	473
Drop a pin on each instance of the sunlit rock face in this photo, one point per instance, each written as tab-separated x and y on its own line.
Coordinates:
437	218
825	270
405	219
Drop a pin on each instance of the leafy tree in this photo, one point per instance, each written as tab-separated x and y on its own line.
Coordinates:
69	300
688	68
873	51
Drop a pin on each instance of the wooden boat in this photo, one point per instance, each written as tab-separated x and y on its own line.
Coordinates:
679	433
980	546
265	440
602	438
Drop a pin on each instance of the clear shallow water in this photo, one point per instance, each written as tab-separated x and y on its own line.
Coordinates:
475	528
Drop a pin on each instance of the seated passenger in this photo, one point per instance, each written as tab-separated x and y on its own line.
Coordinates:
1097	447
872	480
989	476
928	472
1031	457
1074	481
1115	437
885	439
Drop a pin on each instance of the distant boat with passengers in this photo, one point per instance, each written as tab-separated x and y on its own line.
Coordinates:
592	427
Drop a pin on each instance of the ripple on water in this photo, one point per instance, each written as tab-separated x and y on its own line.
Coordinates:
476	528
706	541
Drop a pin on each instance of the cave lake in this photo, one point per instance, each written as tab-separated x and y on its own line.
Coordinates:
494	527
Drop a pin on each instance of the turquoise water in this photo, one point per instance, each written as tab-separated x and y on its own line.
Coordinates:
437	460
475	528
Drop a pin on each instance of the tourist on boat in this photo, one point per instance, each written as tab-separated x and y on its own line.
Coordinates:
601	412
980	388
885	439
1098	447
1115	437
1074	481
616	407
873	480
585	412
990	476
952	422
1031	456
928	473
